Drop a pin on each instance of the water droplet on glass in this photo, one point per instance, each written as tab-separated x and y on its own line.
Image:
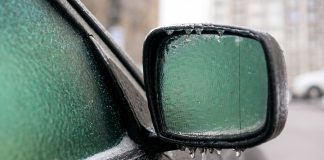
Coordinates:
174	46
188	31
169	32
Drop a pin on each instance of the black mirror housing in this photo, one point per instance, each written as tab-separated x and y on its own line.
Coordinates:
276	100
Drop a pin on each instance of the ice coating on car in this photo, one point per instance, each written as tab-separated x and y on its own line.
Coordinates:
169	31
55	102
213	84
188	31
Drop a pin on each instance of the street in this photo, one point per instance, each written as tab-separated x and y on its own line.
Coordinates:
303	136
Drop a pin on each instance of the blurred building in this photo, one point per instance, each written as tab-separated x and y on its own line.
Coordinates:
304	29
262	15
127	21
296	24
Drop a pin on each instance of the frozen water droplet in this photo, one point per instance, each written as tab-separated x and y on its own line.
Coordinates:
192	152
169	32
203	155
188	31
182	148
219	154
192	155
220	33
218	39
211	150
238	153
218	151
199	30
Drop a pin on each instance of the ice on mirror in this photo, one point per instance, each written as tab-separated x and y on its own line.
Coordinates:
211	150
203	156
192	155
238	153
238	40
188	31
188	40
169	31
220	33
182	148
203	152
217	37
219	154
192	152
213	153
199	30
174	46
197	59
218	151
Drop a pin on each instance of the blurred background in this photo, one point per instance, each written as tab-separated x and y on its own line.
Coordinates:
297	25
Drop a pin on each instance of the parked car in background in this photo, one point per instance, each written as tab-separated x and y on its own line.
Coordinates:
309	85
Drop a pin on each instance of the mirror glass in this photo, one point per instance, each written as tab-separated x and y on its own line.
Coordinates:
212	85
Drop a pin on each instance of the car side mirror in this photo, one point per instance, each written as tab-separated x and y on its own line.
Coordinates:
214	86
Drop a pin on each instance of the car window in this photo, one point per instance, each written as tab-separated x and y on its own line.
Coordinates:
296	25
54	100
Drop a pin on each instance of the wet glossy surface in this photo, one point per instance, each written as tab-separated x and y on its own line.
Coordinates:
212	85
54	103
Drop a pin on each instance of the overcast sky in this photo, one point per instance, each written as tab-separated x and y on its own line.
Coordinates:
183	11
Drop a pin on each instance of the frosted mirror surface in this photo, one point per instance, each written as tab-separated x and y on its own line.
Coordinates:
212	85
